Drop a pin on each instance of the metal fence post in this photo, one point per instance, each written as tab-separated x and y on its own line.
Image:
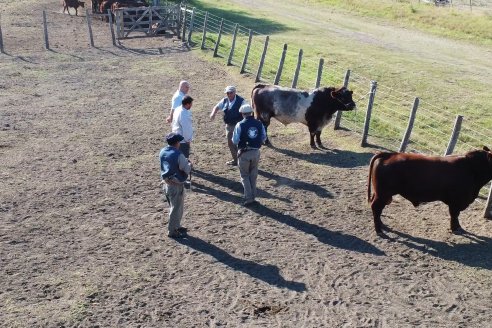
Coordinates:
408	132
320	72
246	54
88	15
204	37
488	208
216	48
262	60
367	122
45	29
231	53
454	136
111	27
298	69
191	25
338	117
281	65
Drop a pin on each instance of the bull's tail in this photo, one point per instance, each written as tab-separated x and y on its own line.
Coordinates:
369	179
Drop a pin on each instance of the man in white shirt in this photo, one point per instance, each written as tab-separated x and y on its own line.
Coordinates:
183	89
182	124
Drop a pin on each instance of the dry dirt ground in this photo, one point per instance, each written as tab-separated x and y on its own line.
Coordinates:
83	222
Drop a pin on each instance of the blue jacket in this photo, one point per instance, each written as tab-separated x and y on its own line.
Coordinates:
169	164
232	115
251	133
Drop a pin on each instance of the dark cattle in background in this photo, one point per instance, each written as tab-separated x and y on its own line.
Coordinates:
72	4
313	109
454	180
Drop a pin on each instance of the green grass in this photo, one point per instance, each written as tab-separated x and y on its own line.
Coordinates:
445	90
446	21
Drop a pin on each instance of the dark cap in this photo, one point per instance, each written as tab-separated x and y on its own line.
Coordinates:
172	138
186	100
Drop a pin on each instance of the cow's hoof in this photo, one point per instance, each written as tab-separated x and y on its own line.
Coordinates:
314	146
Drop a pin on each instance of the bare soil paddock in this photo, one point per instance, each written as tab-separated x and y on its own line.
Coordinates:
83	221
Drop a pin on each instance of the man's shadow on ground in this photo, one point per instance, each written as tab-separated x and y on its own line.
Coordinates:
235	186
474	254
296	184
331	157
264	272
331	238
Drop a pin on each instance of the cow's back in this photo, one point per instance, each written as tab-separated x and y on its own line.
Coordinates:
421	179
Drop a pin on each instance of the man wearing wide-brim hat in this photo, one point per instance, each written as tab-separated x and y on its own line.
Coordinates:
248	135
175	169
230	105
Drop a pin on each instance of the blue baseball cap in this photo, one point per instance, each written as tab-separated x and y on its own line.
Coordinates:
172	138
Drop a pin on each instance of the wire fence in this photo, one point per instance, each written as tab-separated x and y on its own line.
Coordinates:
433	127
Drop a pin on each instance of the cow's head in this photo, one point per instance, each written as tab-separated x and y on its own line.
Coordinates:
344	96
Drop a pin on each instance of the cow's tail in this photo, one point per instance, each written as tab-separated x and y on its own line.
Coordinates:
253	92
369	179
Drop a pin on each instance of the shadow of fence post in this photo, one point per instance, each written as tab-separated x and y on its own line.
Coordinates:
45	29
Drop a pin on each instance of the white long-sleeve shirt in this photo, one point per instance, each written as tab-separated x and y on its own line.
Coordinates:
182	123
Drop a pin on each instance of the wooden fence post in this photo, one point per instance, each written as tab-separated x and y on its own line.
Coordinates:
262	60
298	69
408	132
281	65
88	15
191	25
45	29
454	136
231	53
216	48
204	37
183	27
320	72
338	117
367	122
178	22
111	27
488	208
246	54
1	37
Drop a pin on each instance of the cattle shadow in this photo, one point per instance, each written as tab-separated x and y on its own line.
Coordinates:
296	184
244	18
332	238
264	272
476	253
235	186
331	157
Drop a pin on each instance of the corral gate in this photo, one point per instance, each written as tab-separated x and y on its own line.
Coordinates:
149	20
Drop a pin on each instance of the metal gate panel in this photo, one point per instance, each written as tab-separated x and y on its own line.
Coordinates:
149	20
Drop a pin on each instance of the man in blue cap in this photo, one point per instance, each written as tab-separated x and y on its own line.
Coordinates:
249	135
174	172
